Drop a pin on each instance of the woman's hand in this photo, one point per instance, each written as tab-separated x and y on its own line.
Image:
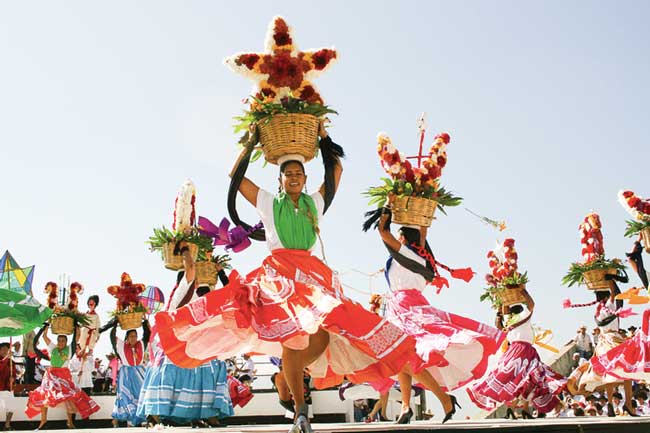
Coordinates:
253	134
391	199
322	132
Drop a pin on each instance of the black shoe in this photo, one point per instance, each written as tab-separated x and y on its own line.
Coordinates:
610	410
405	418
510	414
382	419
526	415
451	413
41	426
628	411
288	405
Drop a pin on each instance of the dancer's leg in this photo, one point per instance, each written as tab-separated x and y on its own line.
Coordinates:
294	362
317	344
425	378
405	382
282	387
383	400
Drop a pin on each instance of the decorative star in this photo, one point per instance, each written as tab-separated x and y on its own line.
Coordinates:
127	292
281	70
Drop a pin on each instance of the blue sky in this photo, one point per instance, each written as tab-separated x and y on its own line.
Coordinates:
107	108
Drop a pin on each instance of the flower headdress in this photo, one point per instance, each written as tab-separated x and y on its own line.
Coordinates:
504	271
184	207
591	238
637	207
282	70
126	293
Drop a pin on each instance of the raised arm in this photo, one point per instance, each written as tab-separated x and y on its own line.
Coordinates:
113	336
331	154
46	337
146	334
188	262
386	235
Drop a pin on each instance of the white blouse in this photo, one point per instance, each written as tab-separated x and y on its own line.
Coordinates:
610	308
179	294
400	278
265	211
523	333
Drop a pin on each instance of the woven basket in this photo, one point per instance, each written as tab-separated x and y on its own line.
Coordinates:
131	320
416	211
206	273
645	236
175	263
595	279
286	134
515	294
62	325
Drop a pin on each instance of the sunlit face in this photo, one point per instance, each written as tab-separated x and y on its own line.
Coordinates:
293	178
61	342
4	351
132	338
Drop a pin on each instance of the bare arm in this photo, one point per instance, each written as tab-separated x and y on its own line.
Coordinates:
386	235
46	338
338	168
188	262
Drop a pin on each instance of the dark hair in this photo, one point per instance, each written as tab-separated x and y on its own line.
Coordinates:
641	394
617	395
202	291
62	335
412	236
516	309
284	165
330	152
5	344
129	331
93	298
579	412
602	295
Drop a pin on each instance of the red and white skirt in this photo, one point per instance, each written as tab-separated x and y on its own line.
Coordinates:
519	374
290	297
454	349
58	388
630	359
585	379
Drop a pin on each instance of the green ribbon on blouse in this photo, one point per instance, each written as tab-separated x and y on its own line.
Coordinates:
296	226
57	359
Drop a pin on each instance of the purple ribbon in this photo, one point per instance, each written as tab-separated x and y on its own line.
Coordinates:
235	239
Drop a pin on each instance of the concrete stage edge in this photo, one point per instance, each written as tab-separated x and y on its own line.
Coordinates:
553	425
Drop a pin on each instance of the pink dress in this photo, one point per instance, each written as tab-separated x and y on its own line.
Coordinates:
628	360
519	374
454	349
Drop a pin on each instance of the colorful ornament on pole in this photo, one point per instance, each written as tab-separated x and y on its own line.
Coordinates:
153	299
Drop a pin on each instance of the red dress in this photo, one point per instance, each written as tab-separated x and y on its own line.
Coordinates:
291	296
630	359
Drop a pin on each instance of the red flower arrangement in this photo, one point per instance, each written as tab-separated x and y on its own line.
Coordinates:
126	293
591	238
637	207
282	70
503	265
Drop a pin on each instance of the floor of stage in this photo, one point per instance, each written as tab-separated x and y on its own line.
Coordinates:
554	425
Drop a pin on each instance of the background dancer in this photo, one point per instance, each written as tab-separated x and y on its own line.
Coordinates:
130	376
57	387
184	395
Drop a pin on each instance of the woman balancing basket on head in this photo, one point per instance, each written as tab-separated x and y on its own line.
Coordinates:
292	306
600	275
520	374
452	350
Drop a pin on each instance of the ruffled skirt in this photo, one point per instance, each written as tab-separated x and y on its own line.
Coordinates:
454	349
290	297
519	374
57	388
628	360
185	394
585	379
129	384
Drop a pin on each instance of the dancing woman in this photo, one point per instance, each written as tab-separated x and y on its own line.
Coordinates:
520	373
57	387
130	376
182	395
452	350
293	305
586	379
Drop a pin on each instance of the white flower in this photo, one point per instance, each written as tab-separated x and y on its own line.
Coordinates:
184	207
395	168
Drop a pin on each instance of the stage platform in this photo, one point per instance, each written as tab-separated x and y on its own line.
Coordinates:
551	425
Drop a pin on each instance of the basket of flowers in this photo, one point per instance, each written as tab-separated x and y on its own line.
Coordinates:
286	107
639	209
129	310
209	266
506	285
183	230
416	189
591	271
64	317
